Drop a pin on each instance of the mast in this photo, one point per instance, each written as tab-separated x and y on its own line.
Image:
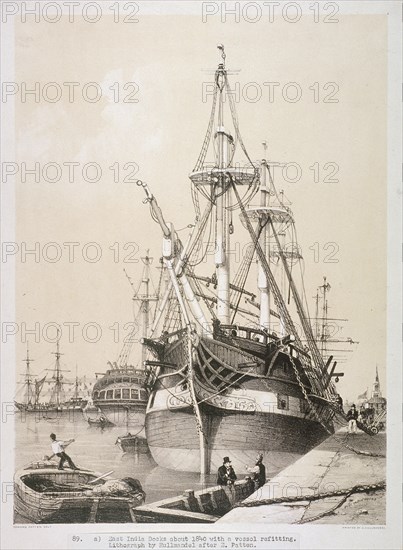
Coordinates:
317	316
215	180
145	300
222	233
264	241
283	275
143	297
57	374
170	245
76	386
28	378
325	288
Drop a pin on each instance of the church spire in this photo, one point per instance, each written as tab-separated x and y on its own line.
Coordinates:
376	392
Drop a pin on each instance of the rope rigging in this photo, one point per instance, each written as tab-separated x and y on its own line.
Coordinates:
326	389
248	259
212	182
315	381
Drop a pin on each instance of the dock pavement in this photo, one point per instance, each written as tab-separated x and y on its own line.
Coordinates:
354	483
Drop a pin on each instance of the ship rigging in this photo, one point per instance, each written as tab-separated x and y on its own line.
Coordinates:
56	402
121	393
210	375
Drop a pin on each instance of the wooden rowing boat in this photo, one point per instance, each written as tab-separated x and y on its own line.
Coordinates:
44	494
132	444
204	506
100	423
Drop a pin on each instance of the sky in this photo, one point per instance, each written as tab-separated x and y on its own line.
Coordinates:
168	61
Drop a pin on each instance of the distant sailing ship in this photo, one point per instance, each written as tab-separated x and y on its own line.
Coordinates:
57	403
121	393
32	389
219	386
327	329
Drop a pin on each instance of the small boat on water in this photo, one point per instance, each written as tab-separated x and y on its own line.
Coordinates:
132	444
100	422
44	494
205	506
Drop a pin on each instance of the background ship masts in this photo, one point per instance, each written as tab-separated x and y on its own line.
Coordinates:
326	328
325	288
57	376
143	297
29	382
145	303
76	385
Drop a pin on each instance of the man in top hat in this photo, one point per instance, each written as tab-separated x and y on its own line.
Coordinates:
352	416
226	474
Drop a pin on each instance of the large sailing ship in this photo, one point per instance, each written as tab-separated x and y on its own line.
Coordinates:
228	380
121	393
57	401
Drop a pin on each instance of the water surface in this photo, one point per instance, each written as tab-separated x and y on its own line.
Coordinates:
96	449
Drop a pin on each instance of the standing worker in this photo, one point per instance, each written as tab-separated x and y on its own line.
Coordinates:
352	416
58	450
258	471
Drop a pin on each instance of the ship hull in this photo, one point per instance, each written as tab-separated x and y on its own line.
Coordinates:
124	415
249	401
68	407
174	441
121	396
70	414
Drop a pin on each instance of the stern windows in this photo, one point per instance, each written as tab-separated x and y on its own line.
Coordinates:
118	394
125	393
134	394
109	394
283	402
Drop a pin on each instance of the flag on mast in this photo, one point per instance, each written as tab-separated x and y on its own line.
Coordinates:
363	395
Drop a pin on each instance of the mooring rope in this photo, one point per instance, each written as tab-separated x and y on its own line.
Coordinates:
339	492
327	512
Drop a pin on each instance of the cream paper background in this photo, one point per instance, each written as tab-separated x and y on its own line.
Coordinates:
163	133
166	54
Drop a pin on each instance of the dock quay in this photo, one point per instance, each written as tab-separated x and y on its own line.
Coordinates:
341	481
